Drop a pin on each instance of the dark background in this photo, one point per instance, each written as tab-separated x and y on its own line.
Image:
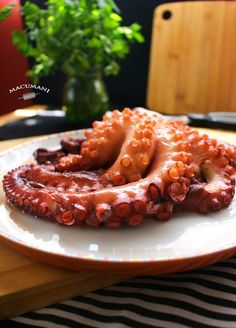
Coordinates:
129	87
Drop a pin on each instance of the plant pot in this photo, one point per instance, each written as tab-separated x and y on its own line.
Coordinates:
85	97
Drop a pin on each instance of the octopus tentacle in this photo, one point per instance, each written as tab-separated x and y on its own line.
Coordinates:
135	155
71	145
131	165
88	206
214	194
48	177
44	156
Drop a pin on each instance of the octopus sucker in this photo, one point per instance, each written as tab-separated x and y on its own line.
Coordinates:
132	165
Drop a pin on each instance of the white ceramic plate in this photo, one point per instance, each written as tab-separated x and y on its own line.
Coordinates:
187	241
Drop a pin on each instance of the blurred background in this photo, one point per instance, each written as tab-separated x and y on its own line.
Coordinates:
188	66
126	89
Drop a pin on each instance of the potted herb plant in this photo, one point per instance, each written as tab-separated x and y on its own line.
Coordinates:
84	39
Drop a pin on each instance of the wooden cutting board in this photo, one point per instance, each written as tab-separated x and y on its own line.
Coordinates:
193	58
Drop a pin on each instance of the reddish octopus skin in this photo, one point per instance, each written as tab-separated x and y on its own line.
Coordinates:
132	165
68	145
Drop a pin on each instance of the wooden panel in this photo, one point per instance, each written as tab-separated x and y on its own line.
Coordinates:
193	62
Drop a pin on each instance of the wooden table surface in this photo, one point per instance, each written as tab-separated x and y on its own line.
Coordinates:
27	285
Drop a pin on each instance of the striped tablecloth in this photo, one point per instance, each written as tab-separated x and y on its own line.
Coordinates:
203	298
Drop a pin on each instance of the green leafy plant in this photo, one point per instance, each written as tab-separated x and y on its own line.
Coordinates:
5	12
75	36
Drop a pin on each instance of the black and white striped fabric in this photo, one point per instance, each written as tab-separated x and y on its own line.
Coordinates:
203	298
